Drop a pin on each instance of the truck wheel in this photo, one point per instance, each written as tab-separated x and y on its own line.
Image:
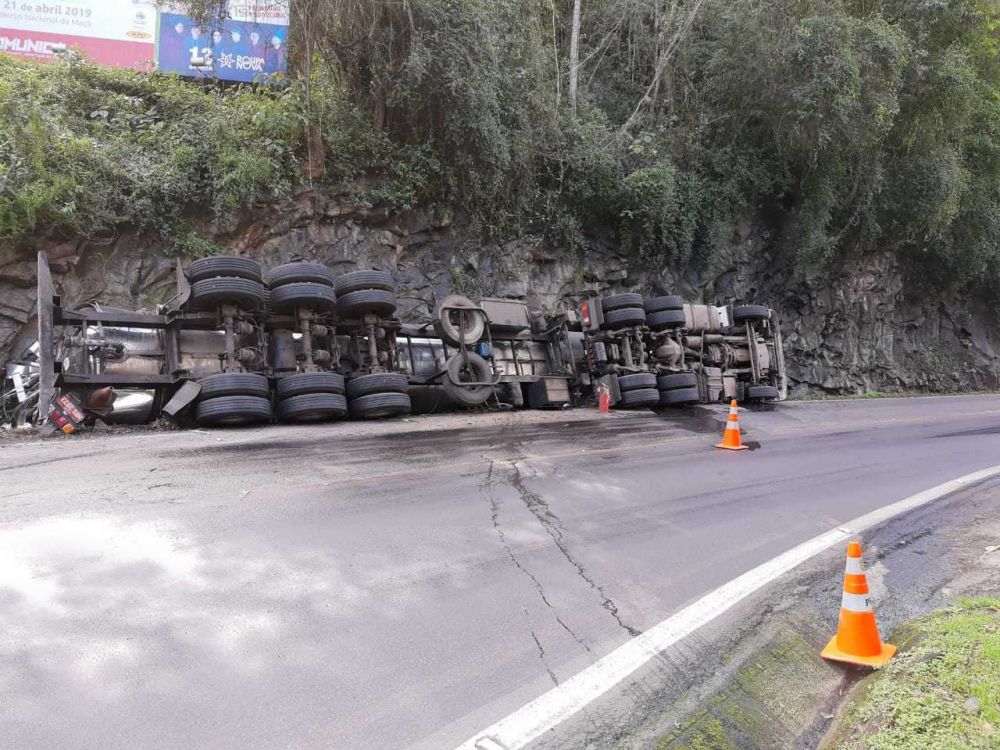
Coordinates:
750	313
677	380
378	405
618	301
641	397
379	382
302	383
224	266
624	317
289	273
227	411
666	302
637	381
460	371
664	319
448	323
313	407
357	281
210	293
377	301
303	294
233	384
680	396
761	392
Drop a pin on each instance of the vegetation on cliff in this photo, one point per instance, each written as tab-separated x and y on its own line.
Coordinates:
836	126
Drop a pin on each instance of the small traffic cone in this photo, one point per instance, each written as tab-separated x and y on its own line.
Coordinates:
731	440
857	640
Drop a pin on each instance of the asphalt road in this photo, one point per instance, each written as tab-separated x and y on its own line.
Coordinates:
404	584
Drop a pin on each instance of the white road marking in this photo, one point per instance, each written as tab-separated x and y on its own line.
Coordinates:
549	710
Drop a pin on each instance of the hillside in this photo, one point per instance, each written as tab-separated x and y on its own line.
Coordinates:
837	160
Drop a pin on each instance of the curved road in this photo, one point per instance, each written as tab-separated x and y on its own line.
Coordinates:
404	584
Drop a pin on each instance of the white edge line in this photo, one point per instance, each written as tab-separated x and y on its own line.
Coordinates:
547	711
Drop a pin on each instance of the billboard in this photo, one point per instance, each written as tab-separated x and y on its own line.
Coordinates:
112	32
239	48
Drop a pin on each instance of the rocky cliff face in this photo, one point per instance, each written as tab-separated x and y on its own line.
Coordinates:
855	331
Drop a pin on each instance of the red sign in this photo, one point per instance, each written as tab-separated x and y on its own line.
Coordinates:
38	45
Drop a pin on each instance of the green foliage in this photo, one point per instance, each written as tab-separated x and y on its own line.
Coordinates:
84	149
838	126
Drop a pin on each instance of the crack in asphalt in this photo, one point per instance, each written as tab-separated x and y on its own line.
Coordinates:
487	486
553	527
541	650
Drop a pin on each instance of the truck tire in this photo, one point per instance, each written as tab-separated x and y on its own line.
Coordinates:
233	384
289	273
303	383
460	370
761	393
664	319
210	293
313	407
357	281
618	301
750	313
378	405
379	382
680	396
227	411
624	317
309	294
639	398
666	302
449	322
377	301
677	380
224	266
636	381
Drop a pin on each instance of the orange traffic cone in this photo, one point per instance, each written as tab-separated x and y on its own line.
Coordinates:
731	437
857	640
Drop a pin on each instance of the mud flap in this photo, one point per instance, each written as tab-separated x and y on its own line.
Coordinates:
184	396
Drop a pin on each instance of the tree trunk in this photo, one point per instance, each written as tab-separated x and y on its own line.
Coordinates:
574	56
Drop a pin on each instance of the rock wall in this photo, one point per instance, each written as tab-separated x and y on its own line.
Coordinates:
855	331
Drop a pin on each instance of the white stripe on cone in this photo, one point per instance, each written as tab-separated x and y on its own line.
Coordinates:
854	566
856	602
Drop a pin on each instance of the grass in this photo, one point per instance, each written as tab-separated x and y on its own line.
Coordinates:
940	693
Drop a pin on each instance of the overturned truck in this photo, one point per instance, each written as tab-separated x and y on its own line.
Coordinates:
238	346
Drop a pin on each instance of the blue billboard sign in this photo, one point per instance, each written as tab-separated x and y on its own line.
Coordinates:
234	50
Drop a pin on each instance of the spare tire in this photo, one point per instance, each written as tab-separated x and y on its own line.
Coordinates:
378	405
210	293
640	398
313	407
470	370
618	301
449	322
680	396
319	297
224	265
302	383
624	317
356	281
750	313
289	273
377	301
233	384
666	302
677	380
233	410
664	319
636	381
379	382
761	392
